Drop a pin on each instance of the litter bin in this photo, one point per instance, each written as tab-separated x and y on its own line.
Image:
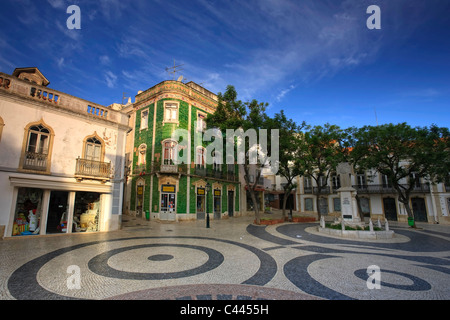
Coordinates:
147	215
411	221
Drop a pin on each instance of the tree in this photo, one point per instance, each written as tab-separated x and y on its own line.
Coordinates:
234	114
289	133
320	151
405	155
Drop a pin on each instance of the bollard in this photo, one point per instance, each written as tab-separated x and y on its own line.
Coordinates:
207	220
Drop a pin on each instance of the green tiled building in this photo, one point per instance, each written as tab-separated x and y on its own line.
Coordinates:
158	186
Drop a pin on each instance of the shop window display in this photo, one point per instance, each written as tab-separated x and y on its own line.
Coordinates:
28	212
86	212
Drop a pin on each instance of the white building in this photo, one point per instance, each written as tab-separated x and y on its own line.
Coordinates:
429	202
61	159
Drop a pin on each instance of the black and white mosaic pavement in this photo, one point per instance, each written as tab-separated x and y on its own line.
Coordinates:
234	259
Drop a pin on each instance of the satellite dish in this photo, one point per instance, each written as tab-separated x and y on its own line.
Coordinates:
180	79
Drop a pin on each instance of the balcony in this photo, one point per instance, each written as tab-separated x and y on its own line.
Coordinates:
90	169
379	188
314	190
211	173
35	161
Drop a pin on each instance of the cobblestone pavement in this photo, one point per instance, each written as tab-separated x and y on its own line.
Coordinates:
232	260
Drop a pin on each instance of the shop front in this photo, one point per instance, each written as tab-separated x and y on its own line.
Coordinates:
201	204
168	203
41	211
217	203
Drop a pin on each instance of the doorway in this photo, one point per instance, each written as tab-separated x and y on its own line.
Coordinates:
323	206
201	204
57	212
390	209
168	203
230	203
217	204
419	209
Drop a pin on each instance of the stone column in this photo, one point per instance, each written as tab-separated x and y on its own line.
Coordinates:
349	207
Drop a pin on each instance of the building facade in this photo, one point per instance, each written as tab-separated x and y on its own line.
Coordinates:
61	159
377	199
161	188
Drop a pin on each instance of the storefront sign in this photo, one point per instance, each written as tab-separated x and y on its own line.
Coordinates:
169	189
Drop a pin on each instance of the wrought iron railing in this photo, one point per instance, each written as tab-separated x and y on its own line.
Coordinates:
380	188
93	169
35	161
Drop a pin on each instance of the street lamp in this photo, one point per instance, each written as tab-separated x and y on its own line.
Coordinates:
208	189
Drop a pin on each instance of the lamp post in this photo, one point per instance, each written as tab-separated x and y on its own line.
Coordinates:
208	189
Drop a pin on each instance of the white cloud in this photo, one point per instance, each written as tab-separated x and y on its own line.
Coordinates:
57	4
60	62
111	79
281	95
105	60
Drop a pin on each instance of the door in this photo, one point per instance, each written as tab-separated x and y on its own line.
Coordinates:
323	206
201	204
419	209
217	204
390	209
168	203
230	203
167	206
57	212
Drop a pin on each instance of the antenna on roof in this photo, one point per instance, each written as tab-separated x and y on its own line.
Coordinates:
174	70
124	97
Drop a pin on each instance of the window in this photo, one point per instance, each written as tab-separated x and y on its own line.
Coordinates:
308	204
336	180
201	122
385	181
142	154
169	152
414	179
37	146
323	181
200	157
171	112
217	161
93	149
92	165
307	184
144	119
361	180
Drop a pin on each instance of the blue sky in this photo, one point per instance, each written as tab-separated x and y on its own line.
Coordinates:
315	59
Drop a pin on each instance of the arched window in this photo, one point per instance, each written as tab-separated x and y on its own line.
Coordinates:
142	154
37	147
93	149
169	149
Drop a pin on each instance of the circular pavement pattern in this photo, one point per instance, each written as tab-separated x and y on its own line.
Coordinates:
307	265
139	265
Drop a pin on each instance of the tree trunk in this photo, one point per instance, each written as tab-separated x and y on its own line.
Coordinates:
255	206
285	199
318	205
409	211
